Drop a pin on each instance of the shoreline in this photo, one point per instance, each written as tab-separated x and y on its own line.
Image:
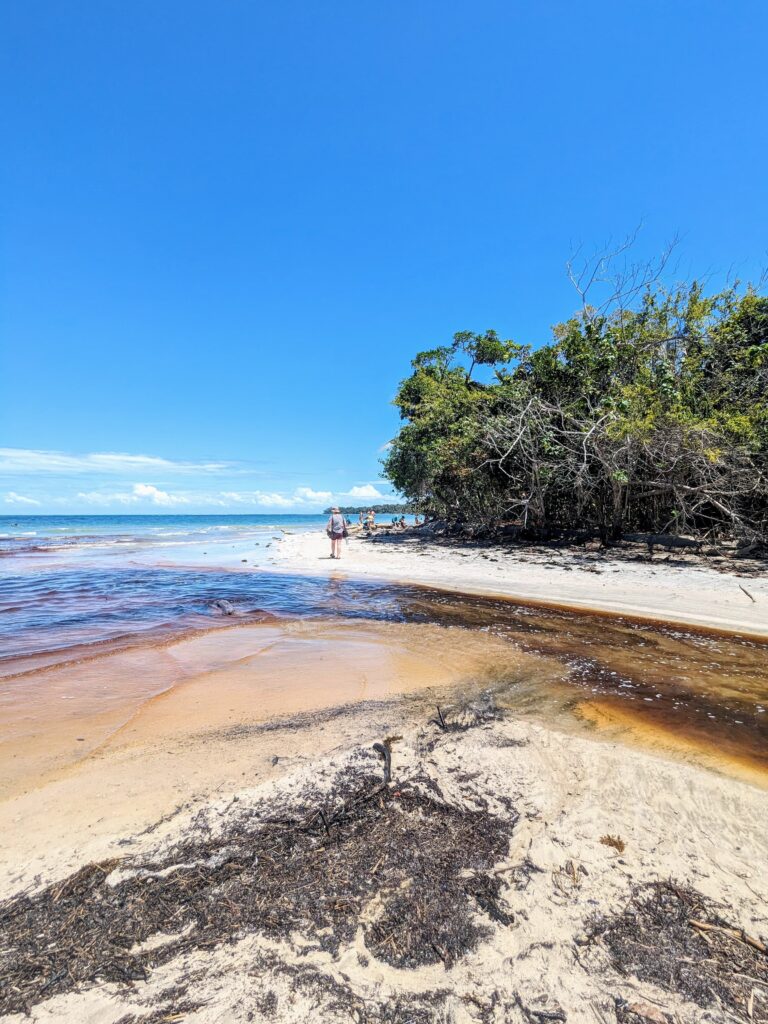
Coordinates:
117	666
203	744
685	593
551	874
17	666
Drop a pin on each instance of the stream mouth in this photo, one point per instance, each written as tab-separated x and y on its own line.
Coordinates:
691	687
704	689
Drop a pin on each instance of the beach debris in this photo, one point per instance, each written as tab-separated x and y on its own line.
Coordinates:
486	891
224	606
735	933
615	841
676	938
440	721
751	598
540	1014
568	877
639	1013
476	712
386	753
172	1010
411	870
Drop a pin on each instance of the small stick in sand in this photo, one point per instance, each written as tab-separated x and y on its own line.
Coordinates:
383	749
734	933
440	720
747	593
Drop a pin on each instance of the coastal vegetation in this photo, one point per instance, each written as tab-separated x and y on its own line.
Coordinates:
647	411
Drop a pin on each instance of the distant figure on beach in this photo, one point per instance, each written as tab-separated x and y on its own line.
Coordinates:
337	531
360	519
370	519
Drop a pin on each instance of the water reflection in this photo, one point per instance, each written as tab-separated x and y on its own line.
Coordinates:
711	688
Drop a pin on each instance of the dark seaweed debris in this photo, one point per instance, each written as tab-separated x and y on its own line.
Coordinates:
337	997
673	936
163	1014
480	711
314	874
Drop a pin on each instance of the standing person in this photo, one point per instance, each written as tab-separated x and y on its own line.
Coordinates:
360	519
337	531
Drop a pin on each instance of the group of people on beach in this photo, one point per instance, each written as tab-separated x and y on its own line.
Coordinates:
337	527
367	520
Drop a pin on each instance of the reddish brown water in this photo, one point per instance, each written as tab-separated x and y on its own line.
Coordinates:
707	689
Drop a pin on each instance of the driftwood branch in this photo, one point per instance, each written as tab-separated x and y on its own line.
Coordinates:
735	933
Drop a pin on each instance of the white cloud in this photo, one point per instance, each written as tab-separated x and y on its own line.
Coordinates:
12	498
270	499
105	498
307	494
301	498
156	496
138	493
365	491
28	460
273	499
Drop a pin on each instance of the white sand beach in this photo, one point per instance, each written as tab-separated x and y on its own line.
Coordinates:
216	736
556	795
673	586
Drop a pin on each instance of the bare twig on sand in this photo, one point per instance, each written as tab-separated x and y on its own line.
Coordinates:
735	933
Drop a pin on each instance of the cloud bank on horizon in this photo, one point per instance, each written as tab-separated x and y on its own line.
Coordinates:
38	481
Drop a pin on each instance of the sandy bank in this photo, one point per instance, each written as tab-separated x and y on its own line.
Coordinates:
99	749
482	886
674	587
303	938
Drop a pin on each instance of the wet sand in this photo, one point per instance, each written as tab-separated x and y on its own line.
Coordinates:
104	746
101	748
61	715
687	688
603	725
670	587
556	792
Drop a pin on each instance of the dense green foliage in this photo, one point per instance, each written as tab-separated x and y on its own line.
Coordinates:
652	417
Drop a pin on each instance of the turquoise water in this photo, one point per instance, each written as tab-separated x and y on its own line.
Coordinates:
21	535
35	534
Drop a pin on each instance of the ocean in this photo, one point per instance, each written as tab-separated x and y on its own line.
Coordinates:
20	535
71	583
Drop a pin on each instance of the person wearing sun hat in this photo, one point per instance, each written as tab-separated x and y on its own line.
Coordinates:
337	531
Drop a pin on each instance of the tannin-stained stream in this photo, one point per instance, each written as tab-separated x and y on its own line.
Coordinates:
695	687
705	689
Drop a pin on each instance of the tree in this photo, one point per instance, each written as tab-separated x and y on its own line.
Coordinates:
648	410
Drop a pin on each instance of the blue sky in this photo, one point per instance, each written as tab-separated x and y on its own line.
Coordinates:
228	226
